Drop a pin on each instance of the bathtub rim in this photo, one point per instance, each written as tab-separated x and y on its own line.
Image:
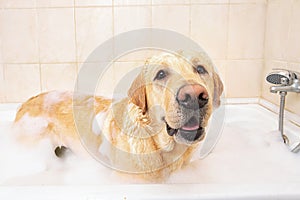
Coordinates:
166	191
149	191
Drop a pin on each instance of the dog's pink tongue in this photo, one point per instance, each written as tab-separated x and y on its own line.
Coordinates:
190	128
191	125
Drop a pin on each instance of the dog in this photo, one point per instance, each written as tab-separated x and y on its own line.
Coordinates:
151	133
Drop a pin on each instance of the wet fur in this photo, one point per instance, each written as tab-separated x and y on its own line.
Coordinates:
132	125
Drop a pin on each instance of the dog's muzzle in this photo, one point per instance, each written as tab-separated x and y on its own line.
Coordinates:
191	131
191	98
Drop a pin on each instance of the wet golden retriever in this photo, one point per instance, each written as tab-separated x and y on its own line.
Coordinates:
151	133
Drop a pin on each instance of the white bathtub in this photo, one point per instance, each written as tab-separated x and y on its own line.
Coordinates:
249	162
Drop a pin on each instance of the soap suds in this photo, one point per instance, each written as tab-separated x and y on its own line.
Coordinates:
249	152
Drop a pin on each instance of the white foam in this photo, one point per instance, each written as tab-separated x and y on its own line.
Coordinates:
248	152
21	161
98	122
31	125
105	148
54	97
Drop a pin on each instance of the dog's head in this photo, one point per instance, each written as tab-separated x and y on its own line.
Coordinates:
179	92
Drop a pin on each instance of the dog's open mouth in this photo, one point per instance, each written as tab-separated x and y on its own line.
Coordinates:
190	131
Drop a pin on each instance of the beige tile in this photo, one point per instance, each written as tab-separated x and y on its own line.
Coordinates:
93	27
131	18
93	2
294	67
221	69
138	55
248	1
102	81
293	103
170	2
209	28
293	48
267	95
270	65
17	4
125	73
19	35
243	78
124	69
209	1
54	3
105	84
56	35
2	92
1	49
277	26
246	31
1	72
175	18
58	76
21	81
293	99
131	2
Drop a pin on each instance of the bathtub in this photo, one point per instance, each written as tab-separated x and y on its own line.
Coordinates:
250	161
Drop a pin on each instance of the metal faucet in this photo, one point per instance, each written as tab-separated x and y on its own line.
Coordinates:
286	81
294	87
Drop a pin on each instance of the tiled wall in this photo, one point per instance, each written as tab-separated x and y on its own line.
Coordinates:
282	45
44	42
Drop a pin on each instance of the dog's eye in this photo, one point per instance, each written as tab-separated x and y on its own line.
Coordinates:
161	74
200	69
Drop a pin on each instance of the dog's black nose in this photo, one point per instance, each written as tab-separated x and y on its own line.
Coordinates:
192	96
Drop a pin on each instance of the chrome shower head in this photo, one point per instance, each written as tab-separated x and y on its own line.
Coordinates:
280	77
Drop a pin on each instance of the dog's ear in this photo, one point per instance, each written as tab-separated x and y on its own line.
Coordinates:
137	93
218	89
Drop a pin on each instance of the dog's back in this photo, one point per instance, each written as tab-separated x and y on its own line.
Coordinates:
51	115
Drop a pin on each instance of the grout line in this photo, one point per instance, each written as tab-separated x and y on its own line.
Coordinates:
210	4
289	32
96	6
34	63
76	49
262	82
5	82
129	5
247	3
41	82
39	46
285	62
113	20
113	40
151	14
245	59
75	37
265	32
2	72
190	20
79	61
264	49
227	34
151	19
